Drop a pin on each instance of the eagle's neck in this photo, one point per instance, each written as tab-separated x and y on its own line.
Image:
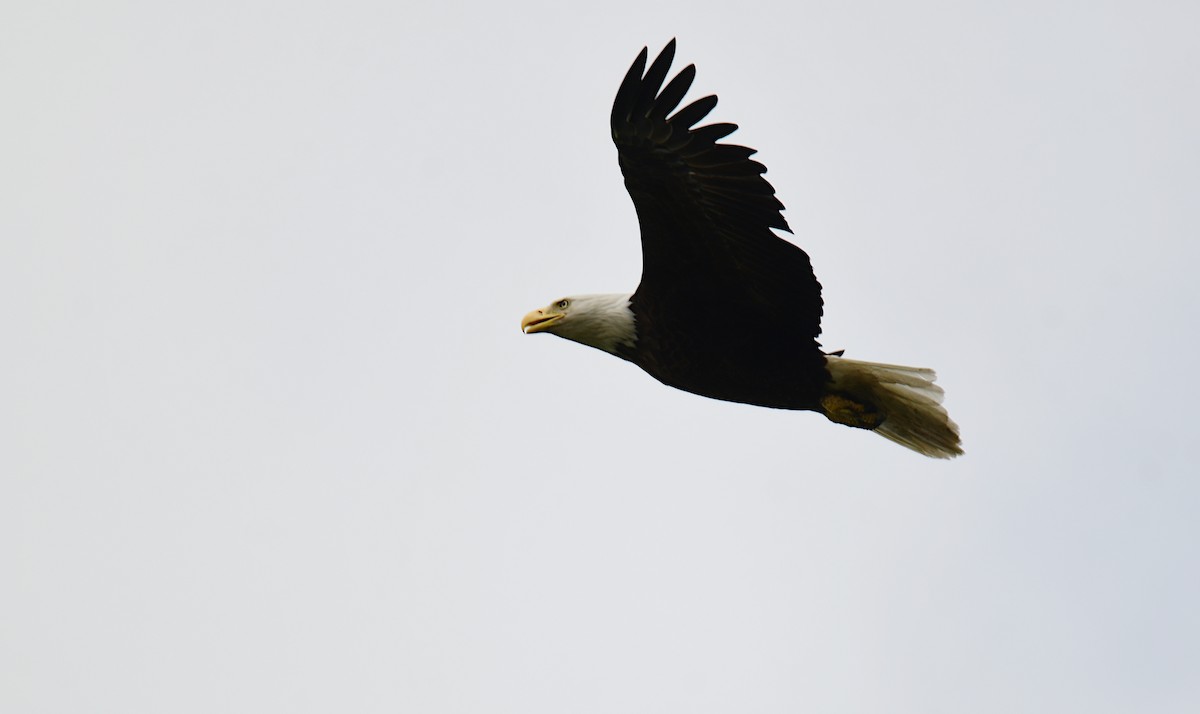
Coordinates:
605	322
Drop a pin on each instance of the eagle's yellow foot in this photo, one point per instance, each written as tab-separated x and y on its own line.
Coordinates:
843	410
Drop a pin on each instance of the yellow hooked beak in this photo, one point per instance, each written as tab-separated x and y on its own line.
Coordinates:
538	321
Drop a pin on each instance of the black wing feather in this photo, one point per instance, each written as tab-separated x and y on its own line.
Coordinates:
653	80
704	139
629	88
673	94
687	117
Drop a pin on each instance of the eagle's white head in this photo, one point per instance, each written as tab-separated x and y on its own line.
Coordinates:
605	322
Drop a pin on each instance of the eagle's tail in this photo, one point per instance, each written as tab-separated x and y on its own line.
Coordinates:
898	403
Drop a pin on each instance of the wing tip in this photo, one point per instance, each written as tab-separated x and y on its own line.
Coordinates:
640	123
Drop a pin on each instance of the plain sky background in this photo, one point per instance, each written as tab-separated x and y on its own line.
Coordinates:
271	439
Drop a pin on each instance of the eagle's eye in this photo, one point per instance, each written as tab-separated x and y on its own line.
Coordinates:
562	304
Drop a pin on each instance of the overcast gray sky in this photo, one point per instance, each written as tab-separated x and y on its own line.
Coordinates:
271	439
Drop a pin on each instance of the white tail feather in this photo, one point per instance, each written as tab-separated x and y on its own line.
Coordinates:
907	400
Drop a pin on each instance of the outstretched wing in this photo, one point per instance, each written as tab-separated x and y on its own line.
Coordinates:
706	213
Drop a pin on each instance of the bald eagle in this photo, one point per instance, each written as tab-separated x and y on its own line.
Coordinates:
726	308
